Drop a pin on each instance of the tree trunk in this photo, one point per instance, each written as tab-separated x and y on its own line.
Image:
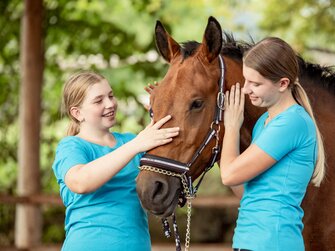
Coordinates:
28	225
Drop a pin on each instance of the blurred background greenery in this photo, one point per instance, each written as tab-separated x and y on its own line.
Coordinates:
116	39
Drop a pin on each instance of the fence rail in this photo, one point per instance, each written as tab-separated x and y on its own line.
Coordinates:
31	199
227	201
223	201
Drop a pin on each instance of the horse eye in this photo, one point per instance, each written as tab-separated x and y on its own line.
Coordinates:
196	104
151	113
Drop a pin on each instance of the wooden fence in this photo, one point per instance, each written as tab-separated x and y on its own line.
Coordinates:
220	202
208	201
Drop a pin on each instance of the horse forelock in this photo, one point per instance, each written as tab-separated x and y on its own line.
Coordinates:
189	48
230	47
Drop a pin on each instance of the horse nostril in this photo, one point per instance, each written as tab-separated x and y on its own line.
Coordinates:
159	190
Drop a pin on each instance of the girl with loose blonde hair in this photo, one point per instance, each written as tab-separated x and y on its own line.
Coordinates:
96	169
74	92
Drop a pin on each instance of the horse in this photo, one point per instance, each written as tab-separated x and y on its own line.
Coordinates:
191	92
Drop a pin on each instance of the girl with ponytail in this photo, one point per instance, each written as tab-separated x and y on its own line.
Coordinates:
286	153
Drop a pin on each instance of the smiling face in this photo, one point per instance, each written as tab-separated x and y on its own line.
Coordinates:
99	106
261	91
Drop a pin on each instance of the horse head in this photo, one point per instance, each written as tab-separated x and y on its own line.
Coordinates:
192	93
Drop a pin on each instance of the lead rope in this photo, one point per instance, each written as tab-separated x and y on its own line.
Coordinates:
176	233
188	197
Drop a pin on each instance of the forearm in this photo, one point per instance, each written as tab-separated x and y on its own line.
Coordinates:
230	151
89	177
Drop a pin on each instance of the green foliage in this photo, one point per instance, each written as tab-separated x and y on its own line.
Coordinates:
53	224
9	54
7	216
306	24
116	38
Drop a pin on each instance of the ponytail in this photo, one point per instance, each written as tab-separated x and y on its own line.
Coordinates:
320	168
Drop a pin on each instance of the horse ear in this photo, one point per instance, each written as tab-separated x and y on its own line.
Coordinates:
212	39
166	45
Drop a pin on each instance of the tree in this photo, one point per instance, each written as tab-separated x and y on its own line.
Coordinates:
307	24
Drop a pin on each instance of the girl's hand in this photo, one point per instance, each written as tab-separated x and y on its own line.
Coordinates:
152	136
149	89
234	108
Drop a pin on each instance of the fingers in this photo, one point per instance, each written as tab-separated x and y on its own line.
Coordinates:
162	136
232	95
166	135
242	100
151	87
235	96
165	132
147	89
162	121
169	132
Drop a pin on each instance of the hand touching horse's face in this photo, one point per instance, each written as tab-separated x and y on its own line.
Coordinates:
188	92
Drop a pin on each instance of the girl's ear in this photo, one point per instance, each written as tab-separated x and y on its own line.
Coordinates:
75	112
283	84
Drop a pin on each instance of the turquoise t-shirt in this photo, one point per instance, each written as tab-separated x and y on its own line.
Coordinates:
110	218
270	215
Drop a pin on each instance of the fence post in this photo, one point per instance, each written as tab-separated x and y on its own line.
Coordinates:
28	225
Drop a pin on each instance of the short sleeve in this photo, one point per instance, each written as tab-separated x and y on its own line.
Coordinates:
282	135
126	137
70	152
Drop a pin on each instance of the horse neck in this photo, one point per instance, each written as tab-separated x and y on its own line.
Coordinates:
234	74
251	115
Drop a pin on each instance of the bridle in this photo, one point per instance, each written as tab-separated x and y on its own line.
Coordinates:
178	169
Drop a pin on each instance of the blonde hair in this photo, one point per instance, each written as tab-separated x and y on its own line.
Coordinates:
320	168
274	59
74	93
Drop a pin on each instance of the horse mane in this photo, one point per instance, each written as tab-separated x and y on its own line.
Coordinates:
314	73
317	74
234	48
